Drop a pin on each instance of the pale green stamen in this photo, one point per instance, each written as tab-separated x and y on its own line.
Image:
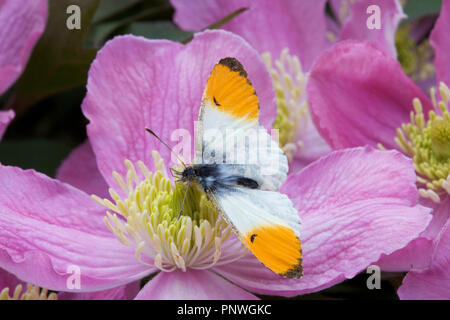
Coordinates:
31	293
289	82
344	10
415	59
428	143
196	240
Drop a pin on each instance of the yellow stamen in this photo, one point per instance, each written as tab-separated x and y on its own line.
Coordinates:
150	210
290	83
427	142
31	293
416	59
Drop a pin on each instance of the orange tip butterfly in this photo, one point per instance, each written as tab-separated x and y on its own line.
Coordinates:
245	192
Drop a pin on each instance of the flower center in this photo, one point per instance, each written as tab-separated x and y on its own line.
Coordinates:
414	58
292	110
440	137
428	143
147	218
31	293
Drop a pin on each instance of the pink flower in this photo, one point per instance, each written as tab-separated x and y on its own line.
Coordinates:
290	35
352	213
13	288
22	22
360	96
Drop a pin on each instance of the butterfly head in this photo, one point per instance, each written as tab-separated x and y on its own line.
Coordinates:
188	174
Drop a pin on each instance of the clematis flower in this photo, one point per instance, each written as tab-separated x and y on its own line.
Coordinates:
22	22
352	213
13	288
290	35
380	105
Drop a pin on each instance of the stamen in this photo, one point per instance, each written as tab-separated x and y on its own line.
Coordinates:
150	210
31	293
427	142
415	58
290	86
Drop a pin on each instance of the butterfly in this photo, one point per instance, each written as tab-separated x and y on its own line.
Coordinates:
244	192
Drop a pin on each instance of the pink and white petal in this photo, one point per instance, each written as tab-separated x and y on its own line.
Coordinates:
352	108
355	205
390	13
136	83
81	171
440	40
50	231
417	254
125	292
434	282
22	22
192	285
5	119
269	26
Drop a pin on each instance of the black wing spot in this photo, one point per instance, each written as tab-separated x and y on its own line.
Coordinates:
252	237
215	101
248	183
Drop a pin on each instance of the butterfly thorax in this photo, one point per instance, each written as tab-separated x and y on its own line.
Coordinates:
216	177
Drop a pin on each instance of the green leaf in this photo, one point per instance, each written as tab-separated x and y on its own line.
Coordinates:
220	23
113	25
58	62
40	154
155	30
109	8
418	8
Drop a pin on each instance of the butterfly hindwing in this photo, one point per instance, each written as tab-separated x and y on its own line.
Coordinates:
267	224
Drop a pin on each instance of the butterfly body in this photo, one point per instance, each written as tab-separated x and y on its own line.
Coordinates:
216	177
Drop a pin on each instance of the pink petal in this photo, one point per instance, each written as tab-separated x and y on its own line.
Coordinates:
136	83
417	254
80	170
440	40
47	226
432	283
267	25
5	119
126	292
8	280
358	95
21	24
355	205
356	26
314	147
191	285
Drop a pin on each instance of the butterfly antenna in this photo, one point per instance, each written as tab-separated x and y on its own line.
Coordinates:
184	199
167	146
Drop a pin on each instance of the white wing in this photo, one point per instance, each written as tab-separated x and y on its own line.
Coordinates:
268	224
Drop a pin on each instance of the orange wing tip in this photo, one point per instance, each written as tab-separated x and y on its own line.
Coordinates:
229	90
278	248
234	65
296	272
